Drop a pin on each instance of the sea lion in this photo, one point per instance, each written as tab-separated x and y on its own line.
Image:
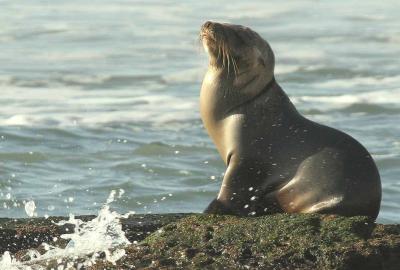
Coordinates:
277	160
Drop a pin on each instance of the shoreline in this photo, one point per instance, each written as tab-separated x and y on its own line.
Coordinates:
193	241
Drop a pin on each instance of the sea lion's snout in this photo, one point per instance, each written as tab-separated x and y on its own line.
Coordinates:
210	26
225	31
209	30
219	38
206	25
208	36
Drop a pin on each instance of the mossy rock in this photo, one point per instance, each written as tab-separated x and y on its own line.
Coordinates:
281	241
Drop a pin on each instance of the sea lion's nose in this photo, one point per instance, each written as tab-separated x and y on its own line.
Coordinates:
207	25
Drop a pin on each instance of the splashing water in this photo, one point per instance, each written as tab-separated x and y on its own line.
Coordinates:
101	235
7	262
30	208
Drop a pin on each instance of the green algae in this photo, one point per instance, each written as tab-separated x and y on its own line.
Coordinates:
281	241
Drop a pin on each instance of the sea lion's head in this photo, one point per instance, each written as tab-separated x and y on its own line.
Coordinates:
239	52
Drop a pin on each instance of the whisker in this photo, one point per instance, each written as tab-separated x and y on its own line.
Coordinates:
228	57
220	56
223	56
235	67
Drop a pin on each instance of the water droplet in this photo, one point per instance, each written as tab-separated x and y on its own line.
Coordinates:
30	208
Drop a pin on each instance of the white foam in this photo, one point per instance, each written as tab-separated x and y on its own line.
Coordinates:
190	75
102	234
68	56
285	51
17	120
340	101
8	262
284	69
359	81
262	10
71	107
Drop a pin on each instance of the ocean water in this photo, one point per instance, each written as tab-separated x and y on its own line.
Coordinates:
103	95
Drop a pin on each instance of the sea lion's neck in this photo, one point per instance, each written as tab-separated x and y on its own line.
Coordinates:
277	108
278	101
277	97
271	86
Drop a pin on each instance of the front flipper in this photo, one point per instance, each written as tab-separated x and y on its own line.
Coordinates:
241	190
218	208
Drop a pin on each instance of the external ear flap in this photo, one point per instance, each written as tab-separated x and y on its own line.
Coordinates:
261	61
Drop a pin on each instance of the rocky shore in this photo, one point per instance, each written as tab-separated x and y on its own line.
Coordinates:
197	241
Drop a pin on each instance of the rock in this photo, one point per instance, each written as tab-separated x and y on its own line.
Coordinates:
280	241
25	233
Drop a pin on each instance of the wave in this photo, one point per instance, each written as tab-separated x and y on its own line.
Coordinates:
82	81
72	107
356	81
384	97
98	82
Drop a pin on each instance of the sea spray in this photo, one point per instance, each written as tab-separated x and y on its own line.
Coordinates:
99	237
30	208
9	263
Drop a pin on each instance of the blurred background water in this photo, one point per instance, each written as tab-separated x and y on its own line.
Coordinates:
101	95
